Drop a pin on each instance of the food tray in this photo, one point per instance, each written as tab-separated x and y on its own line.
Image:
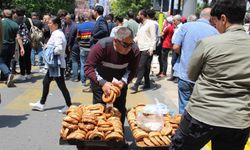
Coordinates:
151	148
92	143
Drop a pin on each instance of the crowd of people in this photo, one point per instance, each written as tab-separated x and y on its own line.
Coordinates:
210	63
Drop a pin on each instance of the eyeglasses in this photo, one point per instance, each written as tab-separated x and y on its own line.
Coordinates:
125	45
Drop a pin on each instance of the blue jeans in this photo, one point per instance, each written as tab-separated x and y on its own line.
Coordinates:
193	135
185	90
83	58
4	68
33	56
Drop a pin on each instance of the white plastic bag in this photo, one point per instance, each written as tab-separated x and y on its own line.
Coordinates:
151	118
149	122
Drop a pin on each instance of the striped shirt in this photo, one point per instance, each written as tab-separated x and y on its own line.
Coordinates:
84	31
104	63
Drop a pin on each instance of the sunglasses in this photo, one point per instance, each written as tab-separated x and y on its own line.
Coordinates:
125	45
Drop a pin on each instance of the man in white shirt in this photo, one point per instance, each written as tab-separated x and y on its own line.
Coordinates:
146	41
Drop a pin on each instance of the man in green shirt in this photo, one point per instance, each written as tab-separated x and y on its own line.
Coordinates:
131	23
219	107
10	34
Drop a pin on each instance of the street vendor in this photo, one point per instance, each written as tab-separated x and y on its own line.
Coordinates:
113	61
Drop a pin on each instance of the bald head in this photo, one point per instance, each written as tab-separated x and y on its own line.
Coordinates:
7	13
205	13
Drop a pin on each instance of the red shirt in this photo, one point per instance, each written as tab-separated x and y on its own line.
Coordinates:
168	32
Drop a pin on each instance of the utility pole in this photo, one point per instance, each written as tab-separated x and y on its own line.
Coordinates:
179	7
161	5
160	18
189	7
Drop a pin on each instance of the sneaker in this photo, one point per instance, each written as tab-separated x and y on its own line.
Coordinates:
86	89
146	86
37	106
15	72
172	78
43	70
21	78
10	80
84	84
176	80
134	89
161	75
74	80
28	76
64	109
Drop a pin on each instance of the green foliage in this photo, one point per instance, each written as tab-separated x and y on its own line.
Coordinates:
40	6
121	7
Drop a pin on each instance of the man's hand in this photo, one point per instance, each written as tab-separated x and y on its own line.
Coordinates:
150	52
106	88
120	84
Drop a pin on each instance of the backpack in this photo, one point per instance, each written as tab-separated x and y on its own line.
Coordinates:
36	35
24	32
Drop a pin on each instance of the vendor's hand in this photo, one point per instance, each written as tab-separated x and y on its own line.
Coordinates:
120	84
106	88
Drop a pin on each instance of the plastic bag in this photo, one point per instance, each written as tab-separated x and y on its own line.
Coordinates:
149	122
151	118
158	108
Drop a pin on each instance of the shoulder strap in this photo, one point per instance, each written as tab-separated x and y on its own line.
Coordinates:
31	23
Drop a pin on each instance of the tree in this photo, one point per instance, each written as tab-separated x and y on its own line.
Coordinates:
40	6
121	7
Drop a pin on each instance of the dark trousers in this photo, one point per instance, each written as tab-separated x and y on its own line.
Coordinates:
173	61
13	66
120	102
68	60
159	53
164	59
60	83
6	55
144	68
25	61
193	135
